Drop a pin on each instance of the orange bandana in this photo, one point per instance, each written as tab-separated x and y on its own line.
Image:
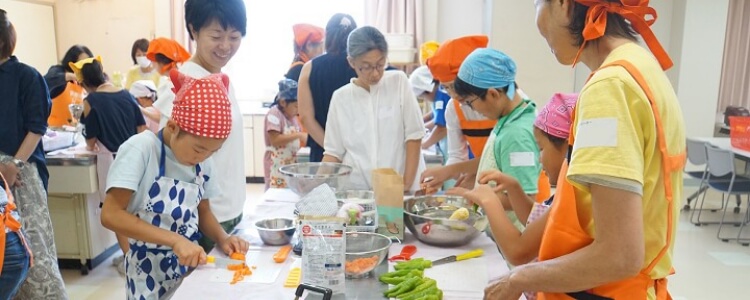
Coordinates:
635	11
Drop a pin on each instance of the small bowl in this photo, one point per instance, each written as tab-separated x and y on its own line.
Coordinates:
370	249
276	231
427	218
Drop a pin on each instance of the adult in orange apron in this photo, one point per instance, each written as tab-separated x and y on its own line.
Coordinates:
60	113
564	235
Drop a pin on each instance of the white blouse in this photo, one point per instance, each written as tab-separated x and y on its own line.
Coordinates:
369	130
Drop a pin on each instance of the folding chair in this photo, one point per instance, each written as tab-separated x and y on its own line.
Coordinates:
722	177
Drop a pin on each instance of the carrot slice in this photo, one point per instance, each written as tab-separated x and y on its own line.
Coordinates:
281	255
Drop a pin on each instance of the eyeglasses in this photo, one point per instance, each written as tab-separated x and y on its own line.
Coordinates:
469	103
369	69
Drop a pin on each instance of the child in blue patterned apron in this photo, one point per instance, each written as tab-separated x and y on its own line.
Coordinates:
282	134
159	185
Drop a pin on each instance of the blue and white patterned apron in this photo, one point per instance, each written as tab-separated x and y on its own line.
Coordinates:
153	271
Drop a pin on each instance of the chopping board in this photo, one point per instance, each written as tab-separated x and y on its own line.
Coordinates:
453	280
267	270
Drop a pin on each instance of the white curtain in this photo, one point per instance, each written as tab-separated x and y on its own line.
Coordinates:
397	16
734	89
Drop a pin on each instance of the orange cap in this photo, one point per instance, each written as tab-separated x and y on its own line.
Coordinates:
447	60
169	48
304	33
634	11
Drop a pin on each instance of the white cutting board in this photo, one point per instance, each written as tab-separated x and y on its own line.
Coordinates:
266	272
462	279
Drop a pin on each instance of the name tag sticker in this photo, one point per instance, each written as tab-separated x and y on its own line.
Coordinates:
522	159
439	105
601	132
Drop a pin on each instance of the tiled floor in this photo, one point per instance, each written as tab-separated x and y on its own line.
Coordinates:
706	267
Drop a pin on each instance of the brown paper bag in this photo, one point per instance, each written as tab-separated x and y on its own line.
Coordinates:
388	186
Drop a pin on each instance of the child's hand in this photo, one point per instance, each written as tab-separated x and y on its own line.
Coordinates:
189	254
481	195
234	244
457	191
503	181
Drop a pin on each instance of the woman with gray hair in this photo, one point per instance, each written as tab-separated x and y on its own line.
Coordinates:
374	121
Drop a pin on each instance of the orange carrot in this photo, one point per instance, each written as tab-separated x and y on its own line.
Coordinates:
281	255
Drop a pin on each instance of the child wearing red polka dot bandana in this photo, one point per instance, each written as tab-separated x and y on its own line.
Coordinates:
159	185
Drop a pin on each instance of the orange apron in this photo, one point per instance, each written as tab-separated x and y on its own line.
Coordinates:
60	113
564	235
8	221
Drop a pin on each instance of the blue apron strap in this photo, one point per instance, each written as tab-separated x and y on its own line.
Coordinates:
162	155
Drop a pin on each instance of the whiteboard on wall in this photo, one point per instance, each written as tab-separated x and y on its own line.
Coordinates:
35	30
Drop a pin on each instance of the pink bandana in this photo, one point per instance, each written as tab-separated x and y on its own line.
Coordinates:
201	106
555	117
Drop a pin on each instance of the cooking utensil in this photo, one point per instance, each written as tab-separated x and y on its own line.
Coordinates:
365	246
327	293
302	178
453	258
427	218
406	253
275	231
222	262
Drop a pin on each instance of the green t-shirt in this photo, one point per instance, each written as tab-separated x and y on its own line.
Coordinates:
515	149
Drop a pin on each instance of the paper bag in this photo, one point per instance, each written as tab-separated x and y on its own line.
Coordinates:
388	186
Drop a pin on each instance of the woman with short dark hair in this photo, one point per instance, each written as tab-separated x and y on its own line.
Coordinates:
374	121
610	234
143	69
320	77
63	87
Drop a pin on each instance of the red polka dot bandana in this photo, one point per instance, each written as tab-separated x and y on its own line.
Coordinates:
201	106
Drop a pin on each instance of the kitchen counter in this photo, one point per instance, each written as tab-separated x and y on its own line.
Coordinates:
280	203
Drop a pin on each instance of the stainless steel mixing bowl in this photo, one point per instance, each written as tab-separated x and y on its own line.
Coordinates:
427	219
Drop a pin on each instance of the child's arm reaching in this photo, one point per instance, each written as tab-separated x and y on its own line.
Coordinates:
278	139
116	218
517	247
213	230
519	201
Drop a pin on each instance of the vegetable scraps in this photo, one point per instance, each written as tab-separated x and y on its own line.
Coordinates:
361	265
240	270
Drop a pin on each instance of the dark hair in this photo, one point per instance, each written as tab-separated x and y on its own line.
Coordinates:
229	13
557	141
71	56
7	36
616	24
93	74
365	39
337	32
163	59
465	89
141	44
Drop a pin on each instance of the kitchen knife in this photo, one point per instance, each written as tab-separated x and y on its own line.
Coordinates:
471	254
223	262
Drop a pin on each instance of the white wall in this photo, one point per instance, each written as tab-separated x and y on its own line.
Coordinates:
514	32
35	32
700	61
108	28
459	18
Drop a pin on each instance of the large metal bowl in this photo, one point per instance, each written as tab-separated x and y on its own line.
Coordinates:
427	219
276	231
302	178
364	252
